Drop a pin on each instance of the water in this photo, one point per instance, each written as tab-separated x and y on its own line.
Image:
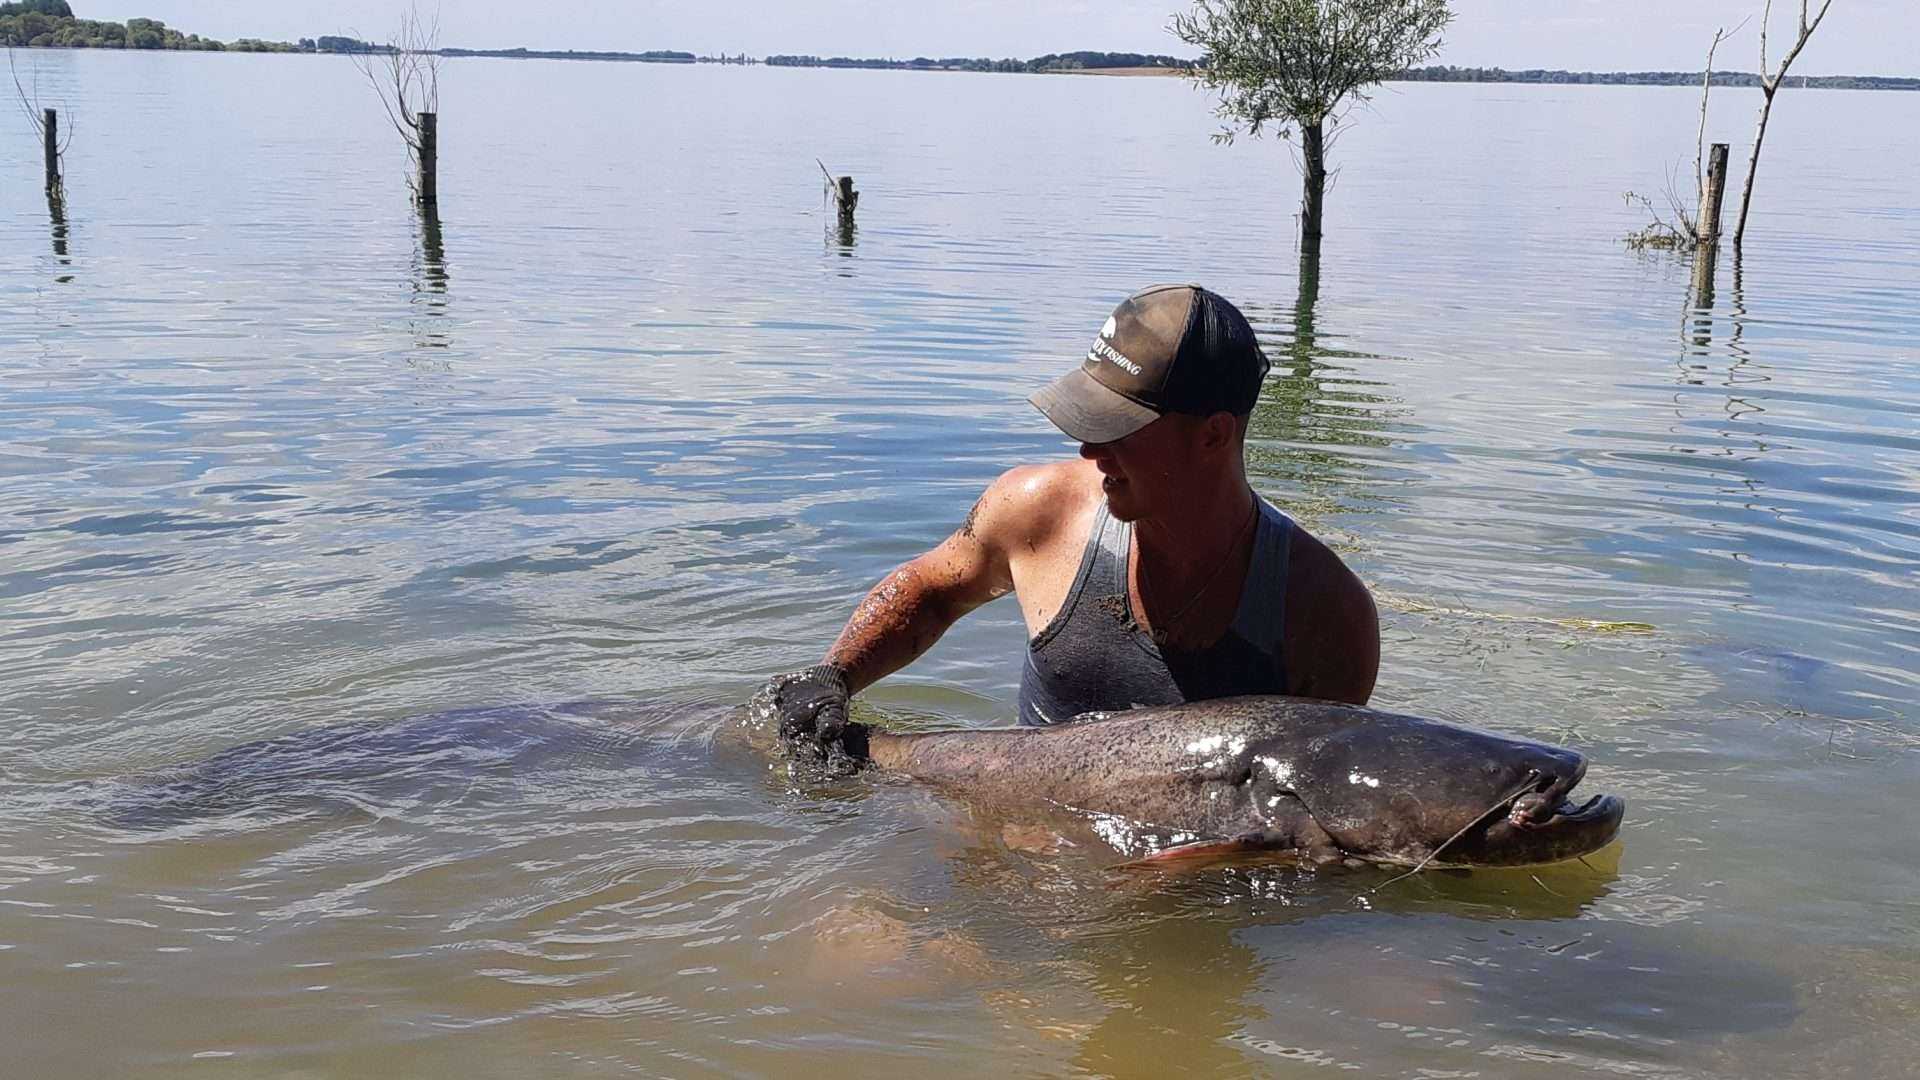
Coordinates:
639	426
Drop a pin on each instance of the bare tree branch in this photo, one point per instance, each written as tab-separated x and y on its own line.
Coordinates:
1769	85
1706	87
405	75
29	103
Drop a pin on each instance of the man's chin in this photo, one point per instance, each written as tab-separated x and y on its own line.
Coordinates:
1120	508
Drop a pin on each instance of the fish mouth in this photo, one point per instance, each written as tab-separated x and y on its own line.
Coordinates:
1597	809
1550	804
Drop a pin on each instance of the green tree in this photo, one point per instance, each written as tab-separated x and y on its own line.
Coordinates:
1295	63
56	8
146	33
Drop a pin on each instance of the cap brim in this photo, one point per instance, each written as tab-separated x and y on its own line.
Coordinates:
1089	411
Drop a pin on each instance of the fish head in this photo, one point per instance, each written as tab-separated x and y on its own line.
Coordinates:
1412	790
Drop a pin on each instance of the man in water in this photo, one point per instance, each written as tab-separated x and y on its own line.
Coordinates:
1148	571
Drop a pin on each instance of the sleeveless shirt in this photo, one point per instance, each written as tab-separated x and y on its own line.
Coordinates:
1093	657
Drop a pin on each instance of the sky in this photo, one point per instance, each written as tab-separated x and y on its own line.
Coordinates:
1859	37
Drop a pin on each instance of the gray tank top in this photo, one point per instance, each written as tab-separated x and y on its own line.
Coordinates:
1094	658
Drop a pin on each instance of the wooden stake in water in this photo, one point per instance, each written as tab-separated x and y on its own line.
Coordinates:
844	197
50	133
1706	248
1711	193
429	151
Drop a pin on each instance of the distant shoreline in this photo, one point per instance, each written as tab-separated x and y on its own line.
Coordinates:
1123	71
1504	76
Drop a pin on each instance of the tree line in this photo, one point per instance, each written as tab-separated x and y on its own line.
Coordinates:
52	24
1448	73
1072	61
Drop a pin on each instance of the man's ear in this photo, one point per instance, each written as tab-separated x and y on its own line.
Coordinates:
1220	432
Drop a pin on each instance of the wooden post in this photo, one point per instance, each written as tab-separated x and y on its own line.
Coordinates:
50	131
429	186
1710	195
845	198
1706	247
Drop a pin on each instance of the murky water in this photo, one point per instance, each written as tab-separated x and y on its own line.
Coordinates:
637	426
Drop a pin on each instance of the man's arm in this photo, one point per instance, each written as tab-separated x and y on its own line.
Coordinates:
911	607
903	615
1332	636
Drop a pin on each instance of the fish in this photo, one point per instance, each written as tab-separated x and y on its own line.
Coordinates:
1318	779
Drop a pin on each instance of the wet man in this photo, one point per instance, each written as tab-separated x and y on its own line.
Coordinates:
1148	571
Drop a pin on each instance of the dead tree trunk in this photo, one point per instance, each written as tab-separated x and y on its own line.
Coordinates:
1753	163
1769	85
1706	249
429	183
1712	193
1313	195
50	139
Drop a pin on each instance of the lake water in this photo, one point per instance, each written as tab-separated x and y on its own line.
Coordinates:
639	425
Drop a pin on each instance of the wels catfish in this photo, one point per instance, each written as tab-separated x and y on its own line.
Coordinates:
1324	780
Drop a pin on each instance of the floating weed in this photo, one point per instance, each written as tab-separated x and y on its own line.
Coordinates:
1845	737
1410	606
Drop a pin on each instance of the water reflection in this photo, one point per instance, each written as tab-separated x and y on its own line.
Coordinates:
842	235
57	213
430	281
1177	992
1705	260
1184	973
1700	356
1311	405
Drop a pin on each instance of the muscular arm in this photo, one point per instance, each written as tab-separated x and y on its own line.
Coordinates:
911	607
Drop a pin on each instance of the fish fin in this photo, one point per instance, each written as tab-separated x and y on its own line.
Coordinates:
1206	852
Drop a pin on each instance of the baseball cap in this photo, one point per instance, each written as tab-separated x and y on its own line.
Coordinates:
1167	348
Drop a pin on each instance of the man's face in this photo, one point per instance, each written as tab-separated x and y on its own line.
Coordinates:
1144	474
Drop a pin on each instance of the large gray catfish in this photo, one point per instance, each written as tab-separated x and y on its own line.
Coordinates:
1277	773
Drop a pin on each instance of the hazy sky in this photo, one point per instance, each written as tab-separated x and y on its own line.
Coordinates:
1859	37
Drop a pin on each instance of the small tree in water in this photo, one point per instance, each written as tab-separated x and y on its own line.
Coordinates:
1294	63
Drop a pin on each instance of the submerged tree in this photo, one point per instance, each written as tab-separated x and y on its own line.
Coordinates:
1769	85
1297	63
406	75
46	130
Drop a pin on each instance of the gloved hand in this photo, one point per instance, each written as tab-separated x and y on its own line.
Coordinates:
811	705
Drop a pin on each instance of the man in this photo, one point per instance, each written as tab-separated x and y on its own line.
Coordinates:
1148	571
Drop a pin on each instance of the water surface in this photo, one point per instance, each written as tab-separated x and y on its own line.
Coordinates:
636	423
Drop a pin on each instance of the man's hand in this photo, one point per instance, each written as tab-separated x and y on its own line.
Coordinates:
810	705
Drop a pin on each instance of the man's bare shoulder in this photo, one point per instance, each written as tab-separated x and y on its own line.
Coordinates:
1029	505
1332	637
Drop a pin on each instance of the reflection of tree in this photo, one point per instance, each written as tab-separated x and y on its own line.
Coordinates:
430	279
1699	356
842	234
1310	409
57	212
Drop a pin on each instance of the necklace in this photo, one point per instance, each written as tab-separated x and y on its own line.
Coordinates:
1162	631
